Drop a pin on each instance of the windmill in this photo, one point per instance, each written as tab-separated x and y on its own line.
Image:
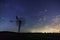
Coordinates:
19	22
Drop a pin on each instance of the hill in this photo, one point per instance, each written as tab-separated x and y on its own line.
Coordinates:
5	35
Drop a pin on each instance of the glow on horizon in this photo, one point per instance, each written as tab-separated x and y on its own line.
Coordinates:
50	30
54	27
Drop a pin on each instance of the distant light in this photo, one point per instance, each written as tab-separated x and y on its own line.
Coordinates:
46	30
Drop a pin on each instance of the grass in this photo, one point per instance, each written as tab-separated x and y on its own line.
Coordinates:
29	36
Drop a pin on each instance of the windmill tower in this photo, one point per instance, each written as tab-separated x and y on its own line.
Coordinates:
19	22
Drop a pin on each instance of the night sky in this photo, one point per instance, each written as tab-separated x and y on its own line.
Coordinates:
39	15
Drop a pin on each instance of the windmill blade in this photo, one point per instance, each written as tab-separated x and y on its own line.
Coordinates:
17	17
17	20
11	21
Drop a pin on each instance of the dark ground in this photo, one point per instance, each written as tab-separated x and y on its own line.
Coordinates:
5	35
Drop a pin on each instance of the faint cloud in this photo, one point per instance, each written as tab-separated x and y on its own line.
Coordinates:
43	19
53	27
41	11
56	20
45	10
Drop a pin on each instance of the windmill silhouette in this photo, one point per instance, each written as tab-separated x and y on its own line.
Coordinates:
19	22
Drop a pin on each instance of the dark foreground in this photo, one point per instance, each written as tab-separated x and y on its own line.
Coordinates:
29	36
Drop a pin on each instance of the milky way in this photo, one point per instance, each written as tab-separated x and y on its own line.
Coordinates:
39	15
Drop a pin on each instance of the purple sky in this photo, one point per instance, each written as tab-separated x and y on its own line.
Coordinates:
37	14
